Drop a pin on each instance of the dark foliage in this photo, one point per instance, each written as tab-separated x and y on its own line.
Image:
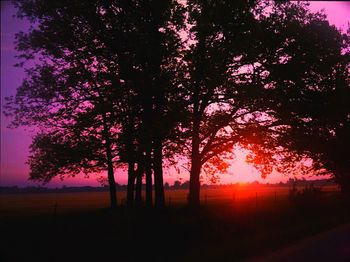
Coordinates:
139	84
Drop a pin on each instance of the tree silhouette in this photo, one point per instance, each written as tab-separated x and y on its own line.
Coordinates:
226	91
255	74
113	83
153	50
71	94
309	77
111	64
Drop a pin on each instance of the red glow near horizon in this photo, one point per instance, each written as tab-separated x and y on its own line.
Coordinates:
15	143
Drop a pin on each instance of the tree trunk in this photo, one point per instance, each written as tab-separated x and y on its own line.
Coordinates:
194	194
131	184
147	134
158	173
112	186
148	171
111	180
138	188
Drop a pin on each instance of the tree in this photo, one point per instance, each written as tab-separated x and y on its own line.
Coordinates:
311	95
68	94
113	62
252	70
225	92
155	51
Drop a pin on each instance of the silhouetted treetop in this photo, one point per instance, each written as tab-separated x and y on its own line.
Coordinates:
141	84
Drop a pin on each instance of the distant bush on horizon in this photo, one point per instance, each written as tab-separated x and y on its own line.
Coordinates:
176	186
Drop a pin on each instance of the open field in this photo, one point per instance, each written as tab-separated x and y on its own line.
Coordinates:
244	197
232	225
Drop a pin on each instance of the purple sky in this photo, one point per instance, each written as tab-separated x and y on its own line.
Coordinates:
15	143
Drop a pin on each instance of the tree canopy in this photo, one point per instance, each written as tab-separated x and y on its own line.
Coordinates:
136	83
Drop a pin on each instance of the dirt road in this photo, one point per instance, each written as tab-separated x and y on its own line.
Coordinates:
332	245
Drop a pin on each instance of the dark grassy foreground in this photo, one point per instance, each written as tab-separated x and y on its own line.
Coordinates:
218	232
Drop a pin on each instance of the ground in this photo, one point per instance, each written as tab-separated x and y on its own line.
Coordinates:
330	245
232	225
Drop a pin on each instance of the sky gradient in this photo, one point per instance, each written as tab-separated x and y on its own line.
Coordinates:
15	142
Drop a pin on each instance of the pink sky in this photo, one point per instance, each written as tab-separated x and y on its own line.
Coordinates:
15	143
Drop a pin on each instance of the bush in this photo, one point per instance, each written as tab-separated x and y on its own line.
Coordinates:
309	197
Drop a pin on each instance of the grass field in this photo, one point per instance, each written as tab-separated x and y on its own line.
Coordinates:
47	203
234	223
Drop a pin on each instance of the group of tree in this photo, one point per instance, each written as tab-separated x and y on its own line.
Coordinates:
138	84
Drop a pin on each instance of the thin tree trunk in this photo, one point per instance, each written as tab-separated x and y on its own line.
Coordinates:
158	174
111	180
147	134
112	185
131	184
148	172
138	188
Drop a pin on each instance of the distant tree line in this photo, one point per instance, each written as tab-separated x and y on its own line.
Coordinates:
40	189
177	185
140	84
